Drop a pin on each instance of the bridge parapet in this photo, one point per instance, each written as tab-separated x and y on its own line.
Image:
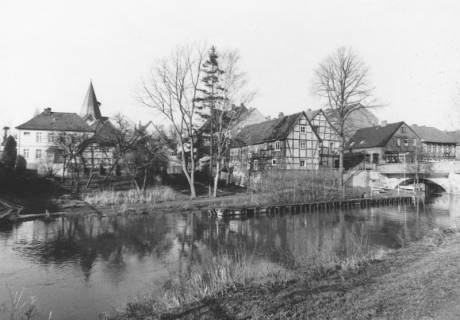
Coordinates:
425	168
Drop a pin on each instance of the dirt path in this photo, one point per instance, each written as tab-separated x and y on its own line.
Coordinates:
421	281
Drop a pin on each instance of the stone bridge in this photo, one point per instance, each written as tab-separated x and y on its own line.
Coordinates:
445	174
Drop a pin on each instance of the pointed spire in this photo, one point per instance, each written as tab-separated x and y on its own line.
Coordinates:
90	105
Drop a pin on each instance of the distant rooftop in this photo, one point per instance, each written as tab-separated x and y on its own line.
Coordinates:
56	121
432	134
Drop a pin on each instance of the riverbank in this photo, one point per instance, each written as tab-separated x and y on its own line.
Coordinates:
420	280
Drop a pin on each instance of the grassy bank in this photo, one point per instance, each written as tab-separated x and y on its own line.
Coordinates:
410	283
151	195
167	198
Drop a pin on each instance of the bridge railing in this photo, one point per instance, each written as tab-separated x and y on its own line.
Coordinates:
441	167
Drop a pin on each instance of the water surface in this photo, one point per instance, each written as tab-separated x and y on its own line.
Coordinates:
81	266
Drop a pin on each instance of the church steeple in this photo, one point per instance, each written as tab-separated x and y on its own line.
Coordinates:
90	108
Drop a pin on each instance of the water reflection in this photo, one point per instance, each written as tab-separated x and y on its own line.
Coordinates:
95	263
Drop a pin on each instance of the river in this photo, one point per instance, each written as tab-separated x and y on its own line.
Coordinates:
77	267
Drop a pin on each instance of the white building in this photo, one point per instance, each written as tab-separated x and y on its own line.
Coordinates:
36	137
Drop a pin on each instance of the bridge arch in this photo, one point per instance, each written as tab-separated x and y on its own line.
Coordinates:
431	185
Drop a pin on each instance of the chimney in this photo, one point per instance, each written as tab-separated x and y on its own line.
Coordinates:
280	115
47	111
383	123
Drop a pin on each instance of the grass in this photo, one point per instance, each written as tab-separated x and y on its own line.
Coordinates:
361	285
225	274
133	197
21	308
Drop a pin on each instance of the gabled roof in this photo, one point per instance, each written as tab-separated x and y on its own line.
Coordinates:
432	134
90	105
312	114
373	137
267	131
105	135
56	121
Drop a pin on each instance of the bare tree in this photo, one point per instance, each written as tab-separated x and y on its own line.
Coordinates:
342	81
69	147
172	90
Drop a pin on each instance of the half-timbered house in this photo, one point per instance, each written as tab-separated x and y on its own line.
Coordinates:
330	140
288	142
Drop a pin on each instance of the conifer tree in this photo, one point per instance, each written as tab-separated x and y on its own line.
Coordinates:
212	93
9	153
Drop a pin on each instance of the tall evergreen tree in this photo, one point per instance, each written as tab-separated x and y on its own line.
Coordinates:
9	153
212	93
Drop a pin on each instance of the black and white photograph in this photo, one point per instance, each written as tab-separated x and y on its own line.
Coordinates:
229	160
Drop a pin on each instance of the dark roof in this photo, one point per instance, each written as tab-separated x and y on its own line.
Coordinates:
372	137
432	134
455	135
267	131
105	134
90	104
56	121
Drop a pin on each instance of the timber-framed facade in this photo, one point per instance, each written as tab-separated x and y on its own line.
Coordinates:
330	139
289	142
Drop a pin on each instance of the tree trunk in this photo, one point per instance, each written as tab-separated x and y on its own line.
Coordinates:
341	169
216	178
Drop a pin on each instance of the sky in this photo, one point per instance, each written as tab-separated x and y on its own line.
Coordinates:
50	49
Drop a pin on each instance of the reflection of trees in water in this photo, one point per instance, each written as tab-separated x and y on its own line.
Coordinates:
285	239
281	239
85	239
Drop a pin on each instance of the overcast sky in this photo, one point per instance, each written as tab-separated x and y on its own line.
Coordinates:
50	50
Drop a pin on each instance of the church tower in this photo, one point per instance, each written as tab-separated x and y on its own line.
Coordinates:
90	111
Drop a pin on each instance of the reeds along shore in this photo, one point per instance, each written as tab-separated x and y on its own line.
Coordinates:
270	187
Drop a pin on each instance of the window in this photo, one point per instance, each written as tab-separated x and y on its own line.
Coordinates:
25	152
403	129
38	136
38	154
415	142
274	162
50	137
26	133
302	129
302	163
278	145
331	145
406	142
303	145
255	166
398	141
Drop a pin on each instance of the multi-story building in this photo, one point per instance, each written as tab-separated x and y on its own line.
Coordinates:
436	144
386	143
330	139
37	138
288	142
